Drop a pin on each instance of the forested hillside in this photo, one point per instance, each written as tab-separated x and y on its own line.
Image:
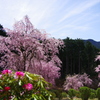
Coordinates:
78	57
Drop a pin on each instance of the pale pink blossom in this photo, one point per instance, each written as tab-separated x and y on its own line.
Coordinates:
77	81
0	76
85	79
97	69
6	71
28	86
99	84
1	90
97	58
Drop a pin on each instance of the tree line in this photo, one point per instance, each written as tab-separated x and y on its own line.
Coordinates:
78	57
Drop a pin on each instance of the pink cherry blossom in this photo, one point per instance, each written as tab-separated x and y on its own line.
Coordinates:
97	69
98	57
28	86
32	50
6	71
77	81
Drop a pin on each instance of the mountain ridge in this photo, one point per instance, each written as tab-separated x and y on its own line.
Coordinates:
93	42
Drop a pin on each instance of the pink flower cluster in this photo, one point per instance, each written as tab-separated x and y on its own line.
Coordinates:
6	71
19	74
77	81
0	76
9	88
28	86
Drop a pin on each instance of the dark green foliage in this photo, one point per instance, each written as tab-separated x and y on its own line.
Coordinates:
85	93
90	55
71	93
58	93
98	93
92	96
64	94
2	31
77	94
78	57
53	93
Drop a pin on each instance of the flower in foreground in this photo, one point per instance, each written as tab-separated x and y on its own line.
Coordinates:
19	74
6	71
7	88
0	76
1	90
28	86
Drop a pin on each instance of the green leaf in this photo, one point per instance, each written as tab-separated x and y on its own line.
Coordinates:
20	82
1	87
29	77
41	84
34	97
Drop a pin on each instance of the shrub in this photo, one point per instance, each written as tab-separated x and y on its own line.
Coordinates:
92	94
71	93
57	92
53	95
85	92
23	86
98	93
77	94
64	94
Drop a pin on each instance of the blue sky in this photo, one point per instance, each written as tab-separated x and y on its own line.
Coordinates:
60	18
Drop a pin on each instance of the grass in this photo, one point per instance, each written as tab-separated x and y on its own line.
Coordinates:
81	99
74	99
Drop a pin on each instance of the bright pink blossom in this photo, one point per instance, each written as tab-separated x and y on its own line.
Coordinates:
28	86
6	71
7	88
19	74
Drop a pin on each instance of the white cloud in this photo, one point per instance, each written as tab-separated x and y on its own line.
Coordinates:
79	8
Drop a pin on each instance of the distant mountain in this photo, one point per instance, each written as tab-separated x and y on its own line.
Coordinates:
93	42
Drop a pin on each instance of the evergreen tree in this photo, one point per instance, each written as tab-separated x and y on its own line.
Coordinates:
78	57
